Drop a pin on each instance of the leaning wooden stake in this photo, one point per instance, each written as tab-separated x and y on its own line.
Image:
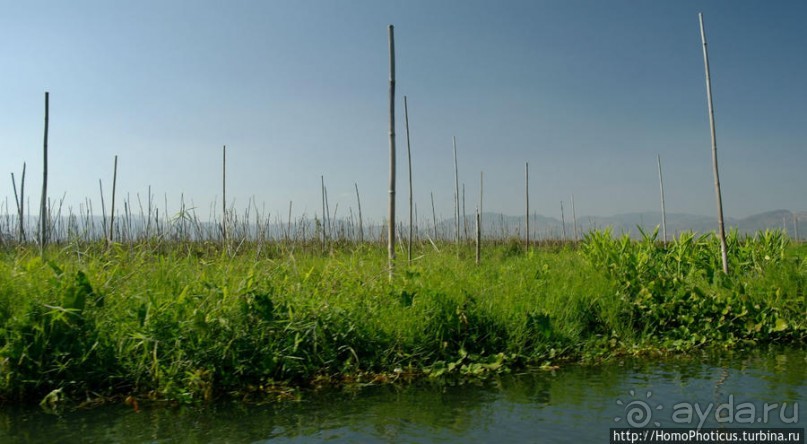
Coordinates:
112	209
527	195
409	158
391	216
663	210
43	207
721	227
563	221
434	217
20	203
361	226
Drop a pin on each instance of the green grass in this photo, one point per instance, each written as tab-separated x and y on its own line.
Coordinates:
188	322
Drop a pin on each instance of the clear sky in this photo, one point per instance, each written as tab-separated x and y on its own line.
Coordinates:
588	92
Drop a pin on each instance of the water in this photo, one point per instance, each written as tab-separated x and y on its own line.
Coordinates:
572	404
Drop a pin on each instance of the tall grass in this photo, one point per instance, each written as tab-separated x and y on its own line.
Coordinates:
190	321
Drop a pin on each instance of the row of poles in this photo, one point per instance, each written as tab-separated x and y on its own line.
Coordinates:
391	216
43	228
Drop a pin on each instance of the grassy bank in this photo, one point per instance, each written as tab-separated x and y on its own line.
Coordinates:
190	322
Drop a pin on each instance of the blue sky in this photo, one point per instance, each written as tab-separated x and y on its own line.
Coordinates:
588	92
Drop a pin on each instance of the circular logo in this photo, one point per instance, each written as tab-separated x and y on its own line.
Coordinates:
638	412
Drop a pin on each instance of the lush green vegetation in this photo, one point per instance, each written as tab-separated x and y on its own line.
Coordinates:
189	321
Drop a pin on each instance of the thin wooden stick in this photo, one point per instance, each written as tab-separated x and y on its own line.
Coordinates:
409	158
481	183
112	209
323	223
358	201
224	194
478	237
563	221
663	210
721	227
527	196
391	228
43	208
288	224
456	195
434	216
20	201
464	215
574	220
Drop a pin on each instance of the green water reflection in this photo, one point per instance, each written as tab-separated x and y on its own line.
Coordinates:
572	404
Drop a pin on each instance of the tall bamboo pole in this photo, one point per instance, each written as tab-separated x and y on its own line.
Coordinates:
456	194
527	195
391	228
663	210
721	227
112	209
224	193
409	159
43	207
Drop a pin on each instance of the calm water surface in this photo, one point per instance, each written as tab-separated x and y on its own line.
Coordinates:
572	404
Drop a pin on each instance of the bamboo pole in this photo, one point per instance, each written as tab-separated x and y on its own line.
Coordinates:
112	209
456	195
327	217
563	221
464	215
409	159
796	226
391	227
721	227
478	237
288	223
358	201
434	216
527	194
323	223
481	183
224	194
663	210
20	203
574	220
43	207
